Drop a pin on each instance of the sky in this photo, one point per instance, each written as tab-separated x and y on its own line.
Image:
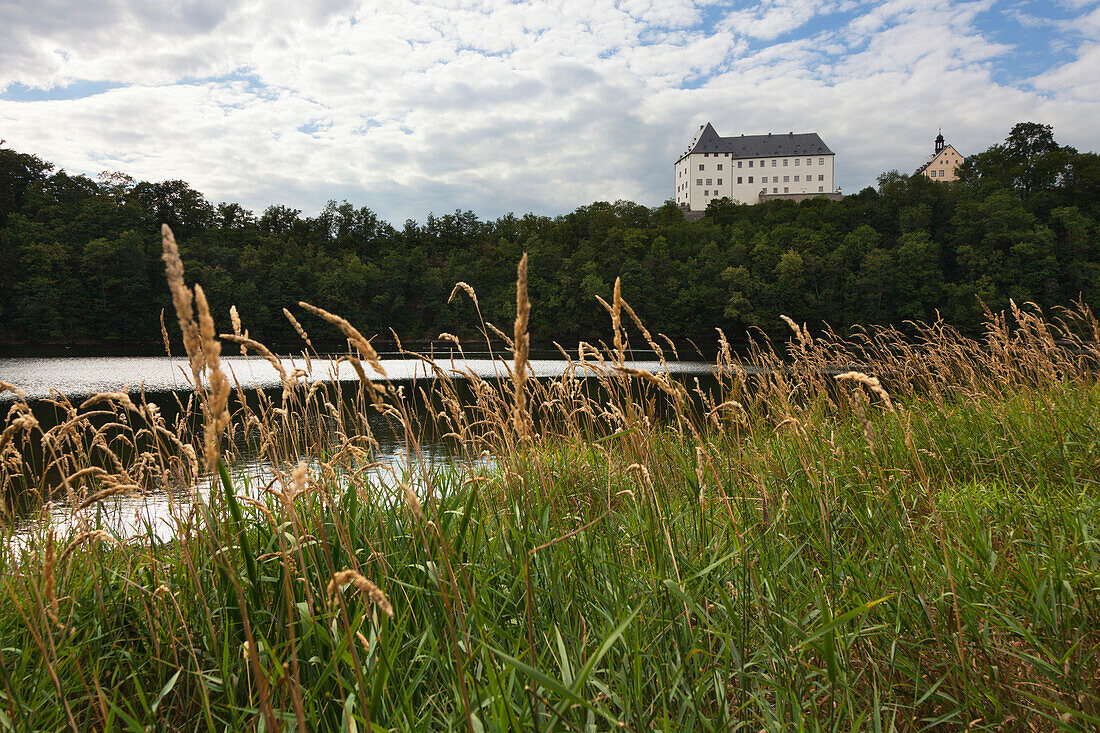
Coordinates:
543	106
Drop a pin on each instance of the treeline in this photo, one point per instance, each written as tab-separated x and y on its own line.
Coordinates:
81	258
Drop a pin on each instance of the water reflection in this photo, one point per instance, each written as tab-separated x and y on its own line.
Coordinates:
157	514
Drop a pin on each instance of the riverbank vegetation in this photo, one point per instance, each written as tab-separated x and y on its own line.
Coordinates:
873	532
81	259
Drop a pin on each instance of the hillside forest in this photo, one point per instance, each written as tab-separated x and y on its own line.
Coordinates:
81	256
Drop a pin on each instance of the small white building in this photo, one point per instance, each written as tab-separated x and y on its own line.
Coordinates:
752	168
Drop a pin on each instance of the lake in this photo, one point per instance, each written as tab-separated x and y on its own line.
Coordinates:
155	512
84	375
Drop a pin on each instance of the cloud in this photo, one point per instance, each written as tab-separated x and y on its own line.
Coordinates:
410	107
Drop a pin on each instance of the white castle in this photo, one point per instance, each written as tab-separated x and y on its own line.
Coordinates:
752	168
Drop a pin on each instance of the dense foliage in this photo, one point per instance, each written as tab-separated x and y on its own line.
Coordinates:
81	256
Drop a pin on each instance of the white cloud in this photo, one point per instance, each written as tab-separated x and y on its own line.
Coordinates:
409	107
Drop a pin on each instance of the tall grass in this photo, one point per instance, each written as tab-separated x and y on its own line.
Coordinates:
886	532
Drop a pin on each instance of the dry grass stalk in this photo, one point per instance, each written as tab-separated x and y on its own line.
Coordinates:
413	500
374	391
5	387
645	332
700	474
183	300
372	591
108	492
95	534
469	291
501	335
298	327
617	320
164	335
235	320
357	340
48	579
662	382
274	361
520	418
870	382
89	471
642	471
24	421
720	408
218	398
121	398
794	326
298	477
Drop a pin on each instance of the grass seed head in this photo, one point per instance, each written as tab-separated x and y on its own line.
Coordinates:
870	382
469	291
372	591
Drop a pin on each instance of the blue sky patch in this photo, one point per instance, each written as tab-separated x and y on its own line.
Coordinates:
16	92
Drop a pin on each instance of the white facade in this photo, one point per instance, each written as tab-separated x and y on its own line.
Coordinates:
742	168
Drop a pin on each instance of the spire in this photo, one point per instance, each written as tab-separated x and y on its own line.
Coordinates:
939	142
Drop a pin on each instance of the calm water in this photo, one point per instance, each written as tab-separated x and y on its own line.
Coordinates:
79	376
152	513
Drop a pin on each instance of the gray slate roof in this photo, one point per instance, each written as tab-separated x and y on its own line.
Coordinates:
759	146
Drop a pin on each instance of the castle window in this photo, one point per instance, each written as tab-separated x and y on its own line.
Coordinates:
820	177
785	162
719	181
700	166
798	161
739	163
809	161
709	181
775	190
773	162
750	179
820	189
786	179
739	179
821	161
698	181
786	190
750	164
719	166
763	179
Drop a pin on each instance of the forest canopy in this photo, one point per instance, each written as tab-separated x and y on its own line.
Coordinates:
81	256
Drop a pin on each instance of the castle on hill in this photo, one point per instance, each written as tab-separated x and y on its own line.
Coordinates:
750	169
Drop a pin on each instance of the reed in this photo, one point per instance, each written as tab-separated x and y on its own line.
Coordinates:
892	531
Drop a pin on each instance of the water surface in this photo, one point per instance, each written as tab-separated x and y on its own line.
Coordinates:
155	513
85	375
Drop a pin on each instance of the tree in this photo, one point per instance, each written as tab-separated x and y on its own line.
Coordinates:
1029	161
18	171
